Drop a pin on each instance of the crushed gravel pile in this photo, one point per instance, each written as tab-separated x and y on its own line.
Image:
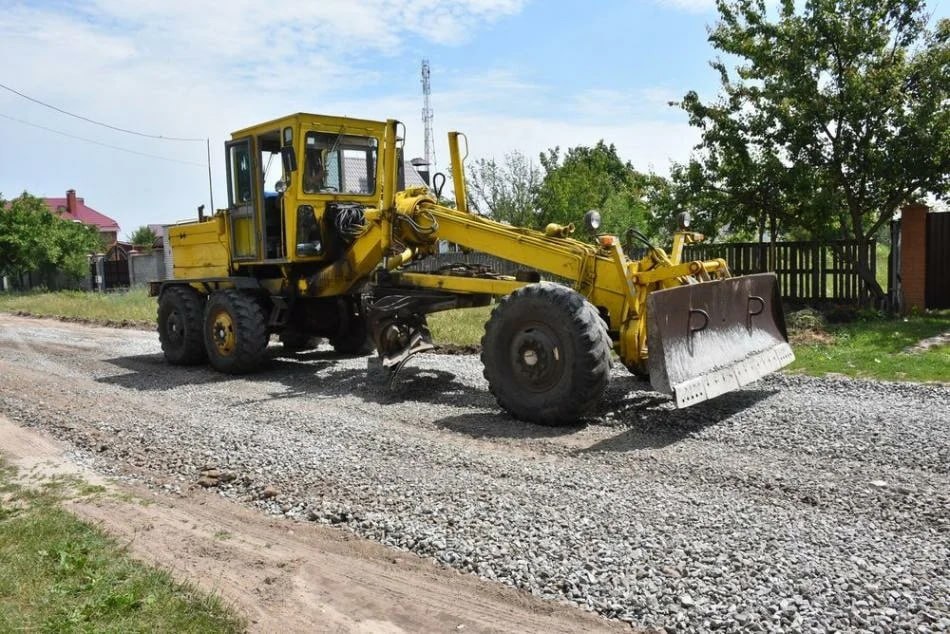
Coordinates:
796	503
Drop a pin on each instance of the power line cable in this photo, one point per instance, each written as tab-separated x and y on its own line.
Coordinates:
93	121
113	147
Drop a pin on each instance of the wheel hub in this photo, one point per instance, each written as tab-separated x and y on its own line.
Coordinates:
530	357
174	328
536	358
222	334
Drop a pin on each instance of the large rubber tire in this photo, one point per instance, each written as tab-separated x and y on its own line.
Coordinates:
235	332
180	321
355	341
546	354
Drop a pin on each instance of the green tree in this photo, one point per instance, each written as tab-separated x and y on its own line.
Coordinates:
70	244
22	246
32	239
507	192
595	178
143	237
835	116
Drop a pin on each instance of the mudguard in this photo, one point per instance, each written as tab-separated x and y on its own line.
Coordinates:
709	338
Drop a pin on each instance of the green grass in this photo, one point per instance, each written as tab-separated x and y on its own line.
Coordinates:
134	305
460	327
59	574
869	348
463	327
875	349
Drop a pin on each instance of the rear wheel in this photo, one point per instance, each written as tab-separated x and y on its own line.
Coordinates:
235	332
546	353
180	311
355	341
353	336
297	341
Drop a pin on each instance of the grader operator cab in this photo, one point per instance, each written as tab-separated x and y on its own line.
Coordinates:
322	255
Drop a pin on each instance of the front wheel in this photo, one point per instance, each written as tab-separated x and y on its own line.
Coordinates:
235	332
546	354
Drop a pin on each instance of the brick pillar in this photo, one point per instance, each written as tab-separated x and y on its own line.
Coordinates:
913	256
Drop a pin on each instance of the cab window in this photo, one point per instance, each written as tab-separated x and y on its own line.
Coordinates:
241	173
339	163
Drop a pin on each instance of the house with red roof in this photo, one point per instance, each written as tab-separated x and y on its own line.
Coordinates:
74	208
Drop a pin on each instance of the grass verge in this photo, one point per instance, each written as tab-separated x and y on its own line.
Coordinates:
59	574
869	347
875	348
134	306
459	327
463	327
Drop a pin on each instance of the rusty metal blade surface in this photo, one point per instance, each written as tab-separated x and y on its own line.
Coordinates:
710	338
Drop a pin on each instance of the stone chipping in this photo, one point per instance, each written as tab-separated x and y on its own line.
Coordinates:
794	504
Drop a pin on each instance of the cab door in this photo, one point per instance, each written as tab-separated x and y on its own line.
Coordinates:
243	200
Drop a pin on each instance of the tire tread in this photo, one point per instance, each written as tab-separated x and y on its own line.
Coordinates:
191	305
590	371
250	328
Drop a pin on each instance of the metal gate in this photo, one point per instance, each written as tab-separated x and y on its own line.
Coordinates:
115	274
937	292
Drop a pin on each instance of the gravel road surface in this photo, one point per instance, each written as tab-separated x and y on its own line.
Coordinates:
796	503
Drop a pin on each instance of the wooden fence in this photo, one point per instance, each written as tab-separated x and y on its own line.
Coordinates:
807	272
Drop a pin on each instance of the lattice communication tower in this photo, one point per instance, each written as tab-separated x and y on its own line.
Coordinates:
427	118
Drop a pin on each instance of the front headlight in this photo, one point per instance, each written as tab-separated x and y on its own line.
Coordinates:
592	220
682	220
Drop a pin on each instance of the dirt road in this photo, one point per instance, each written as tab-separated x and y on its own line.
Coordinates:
794	503
283	575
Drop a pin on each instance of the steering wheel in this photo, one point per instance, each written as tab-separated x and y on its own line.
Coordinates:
329	188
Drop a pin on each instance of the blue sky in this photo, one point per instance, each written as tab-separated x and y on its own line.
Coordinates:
513	74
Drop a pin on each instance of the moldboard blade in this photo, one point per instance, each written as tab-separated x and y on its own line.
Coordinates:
710	338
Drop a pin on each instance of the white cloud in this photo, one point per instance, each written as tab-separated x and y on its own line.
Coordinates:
644	128
692	6
187	68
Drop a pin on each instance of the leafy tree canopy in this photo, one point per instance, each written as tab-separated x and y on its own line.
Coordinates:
143	237
595	178
32	238
507	192
835	116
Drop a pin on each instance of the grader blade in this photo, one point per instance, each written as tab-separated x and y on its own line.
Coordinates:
710	338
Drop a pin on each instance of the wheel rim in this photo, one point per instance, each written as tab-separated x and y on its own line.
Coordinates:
537	359
175	329
222	333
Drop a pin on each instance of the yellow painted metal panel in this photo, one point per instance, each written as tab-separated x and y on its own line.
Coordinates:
353	267
457	284
199	249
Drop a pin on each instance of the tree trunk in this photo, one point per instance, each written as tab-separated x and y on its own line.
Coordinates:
864	272
773	229
760	259
862	266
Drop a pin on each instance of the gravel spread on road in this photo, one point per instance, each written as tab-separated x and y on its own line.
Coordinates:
795	503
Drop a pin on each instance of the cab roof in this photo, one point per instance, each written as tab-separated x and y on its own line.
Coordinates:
315	121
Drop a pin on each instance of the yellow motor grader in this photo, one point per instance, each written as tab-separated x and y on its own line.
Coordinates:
326	255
